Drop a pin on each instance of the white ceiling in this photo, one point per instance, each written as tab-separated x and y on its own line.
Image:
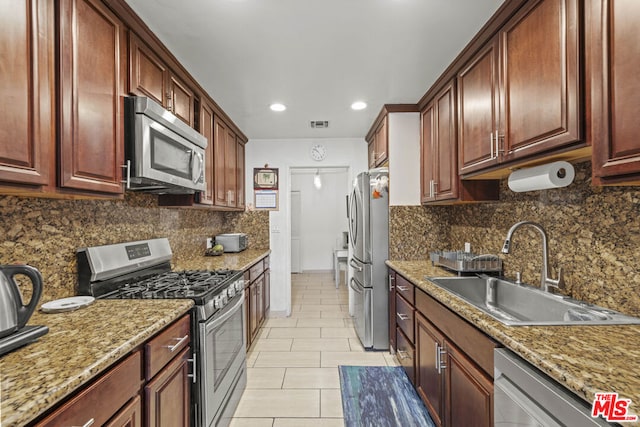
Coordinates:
316	57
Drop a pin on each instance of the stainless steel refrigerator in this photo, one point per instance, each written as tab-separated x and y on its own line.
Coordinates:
369	240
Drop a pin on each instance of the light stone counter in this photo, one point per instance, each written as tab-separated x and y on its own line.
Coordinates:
232	261
585	359
80	345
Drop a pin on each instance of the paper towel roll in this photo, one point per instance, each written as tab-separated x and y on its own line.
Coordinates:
552	175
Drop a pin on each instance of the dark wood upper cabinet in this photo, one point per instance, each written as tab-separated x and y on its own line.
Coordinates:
92	83
614	61
541	84
150	76
219	162
27	114
231	168
378	144
427	150
206	129
446	156
147	73
240	196
520	95
479	110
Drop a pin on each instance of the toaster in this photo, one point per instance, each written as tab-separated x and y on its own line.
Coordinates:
232	242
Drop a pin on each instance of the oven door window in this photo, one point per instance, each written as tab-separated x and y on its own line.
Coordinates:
225	340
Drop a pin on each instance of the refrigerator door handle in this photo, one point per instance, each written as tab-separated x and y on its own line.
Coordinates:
355	287
353	264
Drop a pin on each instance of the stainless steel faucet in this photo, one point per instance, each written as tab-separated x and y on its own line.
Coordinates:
546	281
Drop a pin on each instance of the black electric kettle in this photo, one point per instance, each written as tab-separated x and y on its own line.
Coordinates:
13	314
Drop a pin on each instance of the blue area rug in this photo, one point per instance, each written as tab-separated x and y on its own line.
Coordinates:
380	396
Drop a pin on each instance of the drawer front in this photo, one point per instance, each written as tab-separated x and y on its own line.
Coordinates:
405	288
166	345
102	399
478	346
406	355
404	317
256	270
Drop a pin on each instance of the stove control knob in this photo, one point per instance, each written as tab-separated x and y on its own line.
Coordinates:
231	291
239	285
217	302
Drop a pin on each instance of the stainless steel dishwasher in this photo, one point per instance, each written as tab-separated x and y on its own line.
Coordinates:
524	396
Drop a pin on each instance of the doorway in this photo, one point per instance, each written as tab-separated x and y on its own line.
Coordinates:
318	216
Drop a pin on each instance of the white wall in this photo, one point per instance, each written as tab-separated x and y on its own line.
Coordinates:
324	214
284	155
404	159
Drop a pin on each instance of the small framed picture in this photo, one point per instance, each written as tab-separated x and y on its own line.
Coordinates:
265	178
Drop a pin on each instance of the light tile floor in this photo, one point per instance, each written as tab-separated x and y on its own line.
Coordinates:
292	368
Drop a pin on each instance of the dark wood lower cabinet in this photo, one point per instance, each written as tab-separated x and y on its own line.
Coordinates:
129	416
257	297
168	394
449	361
469	394
430	383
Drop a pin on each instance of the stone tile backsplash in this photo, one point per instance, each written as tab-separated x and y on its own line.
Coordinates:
45	233
594	235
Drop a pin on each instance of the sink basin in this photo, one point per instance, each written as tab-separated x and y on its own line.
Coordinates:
524	305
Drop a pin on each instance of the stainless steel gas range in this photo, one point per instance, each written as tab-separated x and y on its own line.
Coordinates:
142	269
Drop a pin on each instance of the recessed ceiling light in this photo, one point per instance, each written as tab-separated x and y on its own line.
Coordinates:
359	105
277	107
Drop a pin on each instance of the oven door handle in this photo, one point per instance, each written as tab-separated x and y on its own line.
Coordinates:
227	313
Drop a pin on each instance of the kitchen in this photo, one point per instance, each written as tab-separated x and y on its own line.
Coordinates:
593	230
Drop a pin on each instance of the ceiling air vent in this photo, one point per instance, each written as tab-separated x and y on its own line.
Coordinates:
319	124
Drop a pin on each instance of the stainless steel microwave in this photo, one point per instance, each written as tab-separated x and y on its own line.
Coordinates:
163	154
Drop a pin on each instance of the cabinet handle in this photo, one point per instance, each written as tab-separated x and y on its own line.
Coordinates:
127	181
193	364
89	423
491	144
403	288
392	280
402	354
402	316
173	348
440	365
497	144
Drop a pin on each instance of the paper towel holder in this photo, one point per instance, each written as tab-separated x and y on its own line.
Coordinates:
557	174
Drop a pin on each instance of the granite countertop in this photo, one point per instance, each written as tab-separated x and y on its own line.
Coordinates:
585	359
232	261
79	346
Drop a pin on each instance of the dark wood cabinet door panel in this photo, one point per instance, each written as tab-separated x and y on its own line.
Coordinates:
168	394
206	129
615	89
446	166
469	392
147	73
426	153
92	75
240	189
219	147
27	115
429	381
541	81
478	110
182	100
230	168
129	416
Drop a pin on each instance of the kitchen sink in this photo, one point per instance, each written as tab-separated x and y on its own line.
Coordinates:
523	305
